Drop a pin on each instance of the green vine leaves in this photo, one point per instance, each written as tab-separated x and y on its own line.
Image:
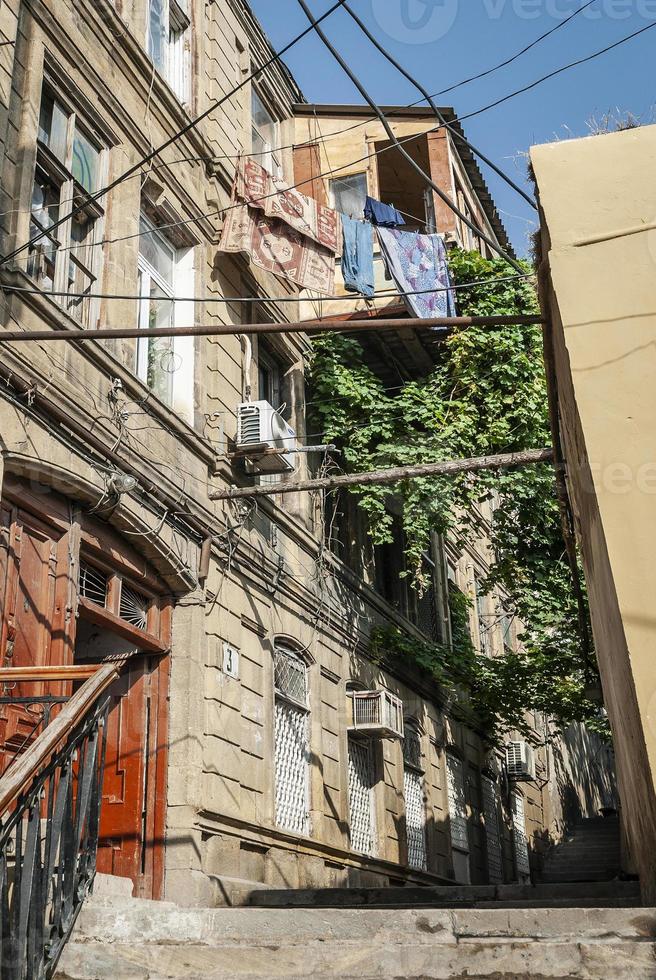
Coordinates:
486	394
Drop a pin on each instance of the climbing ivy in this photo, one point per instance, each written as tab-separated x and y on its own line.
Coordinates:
487	394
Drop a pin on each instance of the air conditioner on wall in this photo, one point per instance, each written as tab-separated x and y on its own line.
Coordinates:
260	427
377	713
520	762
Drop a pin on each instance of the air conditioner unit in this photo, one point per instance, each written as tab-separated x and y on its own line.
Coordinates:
520	762
260	427
377	713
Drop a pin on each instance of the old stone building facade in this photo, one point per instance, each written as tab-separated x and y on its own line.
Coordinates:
232	759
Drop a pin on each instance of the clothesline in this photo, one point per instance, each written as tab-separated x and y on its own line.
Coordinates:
294	236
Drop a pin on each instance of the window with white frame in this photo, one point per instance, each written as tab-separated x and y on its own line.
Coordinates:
69	166
291	740
265	136
348	195
169	42
165	364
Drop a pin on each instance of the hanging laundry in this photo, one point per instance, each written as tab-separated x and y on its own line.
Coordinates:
358	257
382	215
275	247
417	263
256	186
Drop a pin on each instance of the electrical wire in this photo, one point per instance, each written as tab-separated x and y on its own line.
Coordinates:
509	61
557	71
438	114
192	124
400	148
395	144
387	294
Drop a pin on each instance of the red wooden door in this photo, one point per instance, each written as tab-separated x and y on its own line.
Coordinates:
130	782
36	596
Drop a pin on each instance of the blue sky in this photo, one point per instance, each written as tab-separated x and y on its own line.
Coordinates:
445	41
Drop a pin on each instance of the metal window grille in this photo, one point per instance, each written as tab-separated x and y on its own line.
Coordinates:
290	676
457	803
291	767
522	862
93	584
415	818
133	607
412	748
492	830
361	786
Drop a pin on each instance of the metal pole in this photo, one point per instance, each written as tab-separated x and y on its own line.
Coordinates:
396	475
303	326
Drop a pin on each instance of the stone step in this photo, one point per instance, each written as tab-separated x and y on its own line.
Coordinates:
139	923
571	893
492	959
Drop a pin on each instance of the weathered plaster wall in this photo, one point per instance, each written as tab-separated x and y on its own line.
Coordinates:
603	305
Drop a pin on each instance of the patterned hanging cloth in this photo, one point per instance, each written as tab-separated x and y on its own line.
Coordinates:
281	230
418	264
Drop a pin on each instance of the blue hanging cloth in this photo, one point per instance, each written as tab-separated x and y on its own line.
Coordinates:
358	257
382	215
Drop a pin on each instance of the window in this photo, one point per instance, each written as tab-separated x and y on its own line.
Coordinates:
265	140
457	798
520	840
169	43
483	620
165	364
413	793
155	356
349	194
292	751
68	169
492	829
269	377
361	783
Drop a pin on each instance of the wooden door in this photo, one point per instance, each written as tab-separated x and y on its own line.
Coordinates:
44	620
130	807
36	559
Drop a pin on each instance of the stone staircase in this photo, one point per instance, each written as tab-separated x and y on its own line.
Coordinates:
477	936
590	853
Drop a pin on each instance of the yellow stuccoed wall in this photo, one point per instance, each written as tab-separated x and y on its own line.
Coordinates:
602	296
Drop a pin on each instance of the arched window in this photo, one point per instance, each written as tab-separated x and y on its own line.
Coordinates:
292	754
413	792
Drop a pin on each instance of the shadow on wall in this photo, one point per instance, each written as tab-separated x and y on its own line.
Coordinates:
584	776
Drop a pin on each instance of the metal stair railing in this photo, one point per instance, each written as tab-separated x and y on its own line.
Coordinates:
50	799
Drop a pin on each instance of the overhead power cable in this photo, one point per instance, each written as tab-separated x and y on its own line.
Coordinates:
361	159
557	71
438	114
192	124
391	134
509	61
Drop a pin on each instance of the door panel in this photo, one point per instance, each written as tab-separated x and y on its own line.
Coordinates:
37	623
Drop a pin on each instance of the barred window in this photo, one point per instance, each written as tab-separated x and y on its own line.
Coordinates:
290	675
292	750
